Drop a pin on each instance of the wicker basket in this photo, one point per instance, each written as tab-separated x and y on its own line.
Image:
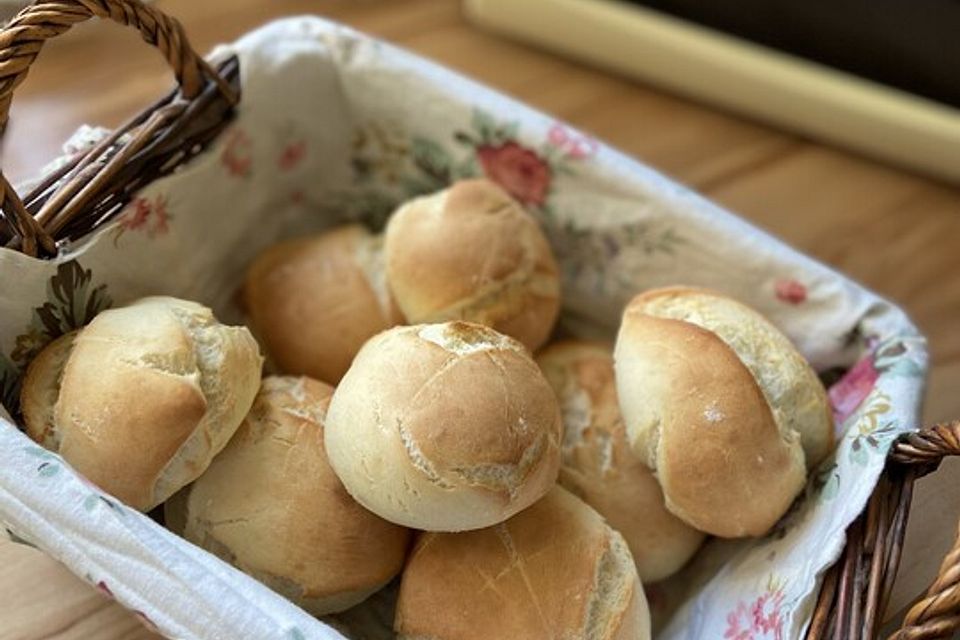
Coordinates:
95	185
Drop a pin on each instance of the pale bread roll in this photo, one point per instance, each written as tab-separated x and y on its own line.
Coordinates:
314	301
601	469
444	427
472	253
271	505
555	570
141	399
41	389
720	404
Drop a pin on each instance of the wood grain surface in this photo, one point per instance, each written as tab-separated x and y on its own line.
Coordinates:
896	232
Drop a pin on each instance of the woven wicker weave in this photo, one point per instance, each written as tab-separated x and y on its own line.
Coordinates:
96	184
857	588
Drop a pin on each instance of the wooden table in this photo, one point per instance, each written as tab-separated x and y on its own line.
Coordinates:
896	232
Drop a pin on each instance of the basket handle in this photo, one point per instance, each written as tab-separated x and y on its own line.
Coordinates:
937	614
21	41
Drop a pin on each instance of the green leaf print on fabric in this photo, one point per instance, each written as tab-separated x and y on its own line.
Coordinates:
433	161
72	302
484	125
90	502
380	152
583	251
49	465
48	469
869	436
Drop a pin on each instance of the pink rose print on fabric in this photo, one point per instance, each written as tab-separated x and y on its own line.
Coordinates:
852	389
790	291
291	155
520	171
236	156
527	171
571	144
144	215
894	357
760	619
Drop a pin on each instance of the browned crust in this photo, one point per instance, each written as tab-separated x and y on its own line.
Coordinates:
721	460
148	395
451	431
817	432
313	304
600	467
472	253
271	504
534	576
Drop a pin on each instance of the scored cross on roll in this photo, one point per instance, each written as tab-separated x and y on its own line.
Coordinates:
444	427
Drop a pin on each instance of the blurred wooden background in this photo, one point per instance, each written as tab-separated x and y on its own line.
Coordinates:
895	232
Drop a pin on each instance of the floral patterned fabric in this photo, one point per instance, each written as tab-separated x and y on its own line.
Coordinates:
335	126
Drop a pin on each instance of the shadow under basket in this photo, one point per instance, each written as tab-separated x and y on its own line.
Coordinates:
89	189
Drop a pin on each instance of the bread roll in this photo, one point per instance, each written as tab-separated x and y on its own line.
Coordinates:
555	570
141	399
271	505
472	253
40	390
721	406
314	301
444	427
599	466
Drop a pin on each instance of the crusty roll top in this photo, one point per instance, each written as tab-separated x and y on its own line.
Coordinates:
271	504
600	467
314	301
555	570
41	389
472	253
447	427
791	387
148	394
719	404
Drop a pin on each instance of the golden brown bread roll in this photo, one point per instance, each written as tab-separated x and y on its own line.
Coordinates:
599	466
141	399
314	301
555	570
720	404
472	253
271	505
444	427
